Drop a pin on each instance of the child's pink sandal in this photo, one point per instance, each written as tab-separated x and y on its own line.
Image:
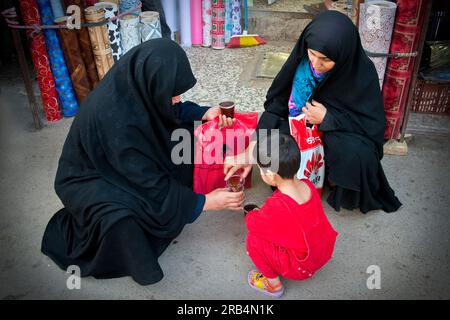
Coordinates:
259	282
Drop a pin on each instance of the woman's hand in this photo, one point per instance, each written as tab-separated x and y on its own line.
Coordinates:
213	112
315	112
222	199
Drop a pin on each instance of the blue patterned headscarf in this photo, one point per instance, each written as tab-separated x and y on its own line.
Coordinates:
305	80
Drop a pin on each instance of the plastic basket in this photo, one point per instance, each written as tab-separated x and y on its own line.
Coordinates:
431	97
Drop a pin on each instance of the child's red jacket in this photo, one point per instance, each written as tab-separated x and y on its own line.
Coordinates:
303	231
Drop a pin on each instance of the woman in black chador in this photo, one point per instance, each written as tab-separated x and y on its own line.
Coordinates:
124	199
329	77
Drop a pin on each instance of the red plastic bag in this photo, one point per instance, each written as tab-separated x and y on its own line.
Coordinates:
214	144
309	141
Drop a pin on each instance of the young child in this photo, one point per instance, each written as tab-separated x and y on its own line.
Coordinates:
290	236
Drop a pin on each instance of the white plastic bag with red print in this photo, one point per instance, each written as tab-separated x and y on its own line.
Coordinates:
308	137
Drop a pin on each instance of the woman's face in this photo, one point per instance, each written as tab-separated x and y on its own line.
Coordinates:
320	62
176	99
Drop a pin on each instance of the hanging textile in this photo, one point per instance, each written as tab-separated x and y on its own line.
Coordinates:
407	31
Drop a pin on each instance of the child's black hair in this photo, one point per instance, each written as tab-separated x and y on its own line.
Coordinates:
287	156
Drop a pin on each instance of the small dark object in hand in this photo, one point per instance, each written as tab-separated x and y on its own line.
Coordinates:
249	207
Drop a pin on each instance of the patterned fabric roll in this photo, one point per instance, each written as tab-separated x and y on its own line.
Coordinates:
405	38
207	22
376	22
30	15
150	25
228	21
218	24
66	94
236	17
129	30
74	60
125	5
84	43
99	40
57	9
112	10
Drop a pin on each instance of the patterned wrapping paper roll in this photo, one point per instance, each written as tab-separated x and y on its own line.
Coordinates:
129	30
84	43
99	40
63	83
57	9
184	17
125	5
236	17
206	22
218	24
228	20
112	10
196	22
171	13
376	22
149	25
30	15
74	60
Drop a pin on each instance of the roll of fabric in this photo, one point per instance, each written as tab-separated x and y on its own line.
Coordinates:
376	22
129	30
125	5
184	17
84	43
91	2
196	22
41	62
405	38
99	40
74	60
228	20
236	17
206	22
171	12
149	25
57	9
218	24
63	83
112	10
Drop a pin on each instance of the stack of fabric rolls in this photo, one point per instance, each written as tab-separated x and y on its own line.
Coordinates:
70	62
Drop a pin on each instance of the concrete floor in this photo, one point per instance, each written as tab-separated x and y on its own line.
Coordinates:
208	260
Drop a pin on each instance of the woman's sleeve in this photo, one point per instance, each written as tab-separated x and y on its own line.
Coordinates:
190	112
199	208
339	121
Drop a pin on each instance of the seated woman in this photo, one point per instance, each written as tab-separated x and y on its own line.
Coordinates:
125	200
329	77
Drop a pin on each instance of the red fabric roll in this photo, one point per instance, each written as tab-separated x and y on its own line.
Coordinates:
405	38
30	15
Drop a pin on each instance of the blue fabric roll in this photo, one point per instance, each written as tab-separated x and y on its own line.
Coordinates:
57	9
125	5
63	84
